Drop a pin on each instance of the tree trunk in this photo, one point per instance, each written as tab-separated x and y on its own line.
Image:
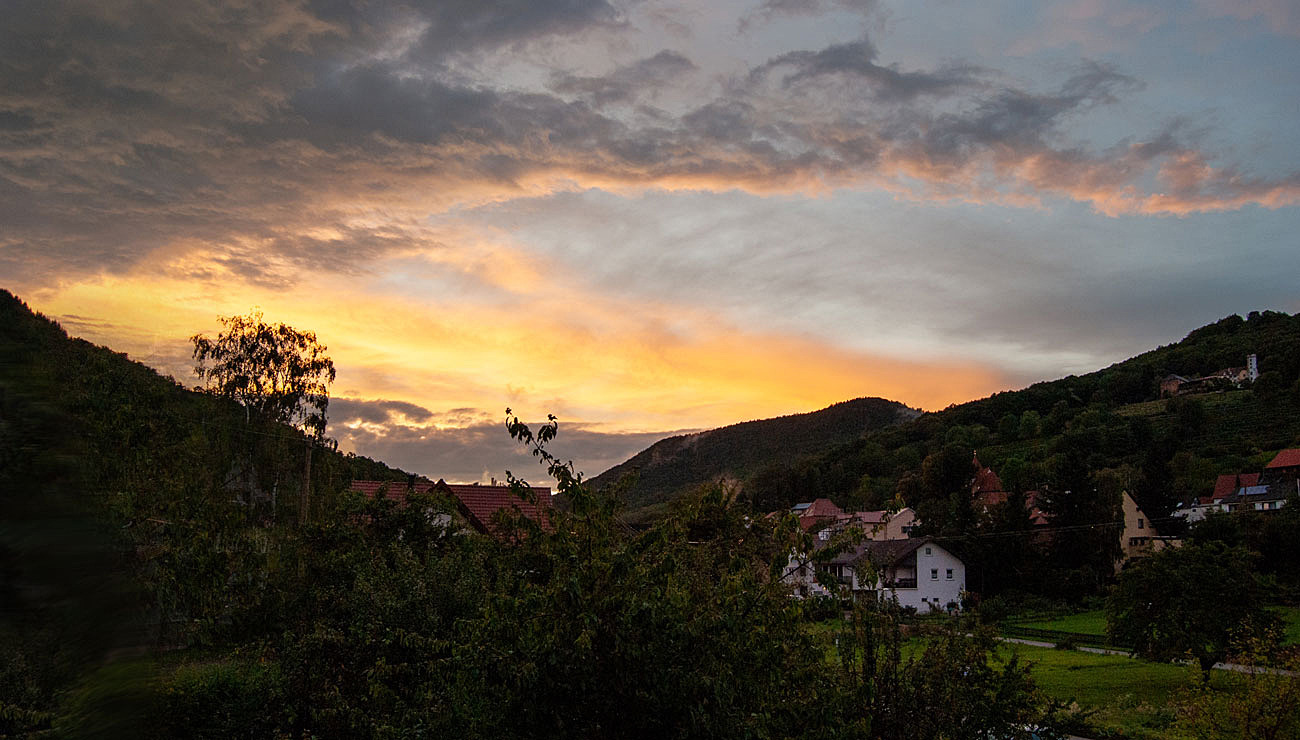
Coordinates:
306	486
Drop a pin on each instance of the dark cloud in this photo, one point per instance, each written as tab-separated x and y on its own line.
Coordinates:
344	410
1020	119
132	133
471	24
628	82
484	449
773	9
858	59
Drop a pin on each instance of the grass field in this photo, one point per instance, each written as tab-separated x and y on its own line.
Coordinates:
1290	623
1085	623
1094	623
1119	694
1116	696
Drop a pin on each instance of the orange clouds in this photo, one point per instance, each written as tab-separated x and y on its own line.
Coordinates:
628	365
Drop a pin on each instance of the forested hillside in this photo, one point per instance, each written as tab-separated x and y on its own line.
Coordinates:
133	512
678	464
862	453
1078	441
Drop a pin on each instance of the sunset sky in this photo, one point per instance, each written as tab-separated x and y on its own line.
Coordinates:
653	216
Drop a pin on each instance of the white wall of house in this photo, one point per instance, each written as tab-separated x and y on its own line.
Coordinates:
940	580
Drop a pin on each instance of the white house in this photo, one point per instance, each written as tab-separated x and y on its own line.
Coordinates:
916	572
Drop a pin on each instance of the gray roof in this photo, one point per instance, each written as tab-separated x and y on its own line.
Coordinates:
882	552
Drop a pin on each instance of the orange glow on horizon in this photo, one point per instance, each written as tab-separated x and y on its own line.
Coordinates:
611	362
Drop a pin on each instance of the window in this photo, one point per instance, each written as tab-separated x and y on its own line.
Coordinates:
934	574
825	534
950	574
1141	524
928	552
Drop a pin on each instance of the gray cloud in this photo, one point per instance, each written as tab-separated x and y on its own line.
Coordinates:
858	59
129	133
343	410
628	82
1021	119
772	10
484	449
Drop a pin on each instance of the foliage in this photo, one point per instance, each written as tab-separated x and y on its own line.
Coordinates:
231	698
277	371
1265	707
1187	602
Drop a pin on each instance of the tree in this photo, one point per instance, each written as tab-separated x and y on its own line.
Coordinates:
1264	706
279	372
1187	602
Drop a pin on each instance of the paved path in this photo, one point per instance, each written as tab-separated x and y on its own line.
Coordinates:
1108	651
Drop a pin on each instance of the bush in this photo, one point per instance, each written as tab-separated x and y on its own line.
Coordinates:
228	699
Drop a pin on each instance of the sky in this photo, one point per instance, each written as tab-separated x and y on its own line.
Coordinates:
648	217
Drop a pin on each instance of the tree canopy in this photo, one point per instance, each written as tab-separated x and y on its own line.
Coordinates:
280	372
1192	601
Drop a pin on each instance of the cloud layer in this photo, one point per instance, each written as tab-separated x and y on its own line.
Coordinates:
334	160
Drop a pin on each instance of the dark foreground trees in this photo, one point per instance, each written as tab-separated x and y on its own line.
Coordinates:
387	624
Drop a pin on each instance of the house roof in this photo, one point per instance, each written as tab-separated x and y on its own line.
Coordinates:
883	553
985	479
480	503
1285	459
394	490
822	507
1228	483
477	502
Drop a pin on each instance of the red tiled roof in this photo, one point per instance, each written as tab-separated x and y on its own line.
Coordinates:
477	502
1037	516
480	503
822	507
1285	459
395	490
1228	483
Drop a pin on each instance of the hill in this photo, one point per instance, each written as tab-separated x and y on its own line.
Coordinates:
131	511
1111	420
677	464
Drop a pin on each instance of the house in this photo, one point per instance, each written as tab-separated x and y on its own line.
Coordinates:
986	487
1285	466
1267	490
478	504
1139	536
917	573
1225	487
987	491
1230	377
826	519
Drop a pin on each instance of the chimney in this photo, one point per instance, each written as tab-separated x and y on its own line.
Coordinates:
494	481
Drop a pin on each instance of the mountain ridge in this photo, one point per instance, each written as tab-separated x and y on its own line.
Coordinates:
681	462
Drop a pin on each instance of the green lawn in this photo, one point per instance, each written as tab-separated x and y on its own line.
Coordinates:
1124	695
1290	623
1094	623
1084	623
